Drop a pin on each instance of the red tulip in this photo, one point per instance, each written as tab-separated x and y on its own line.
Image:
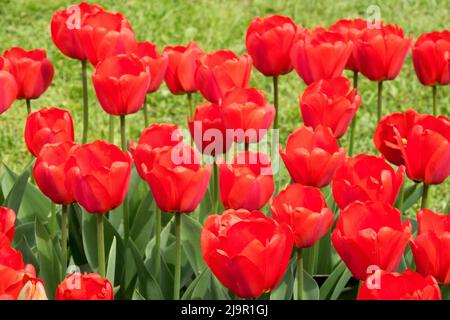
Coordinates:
312	156
304	209
105	34
430	55
177	180
32	70
49	172
156	63
246	111
182	67
98	175
87	286
8	85
65	29
7	221
331	103
247	251
429	138
351	29
431	247
370	235
269	41
208	129
46	126
319	54
121	83
220	71
246	182
391	125
380	53
406	286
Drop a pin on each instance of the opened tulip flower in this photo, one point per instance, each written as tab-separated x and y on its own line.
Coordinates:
247	251
8	86
156	63
369	236
305	210
220	71
331	103
246	111
84	286
46	126
408	285
431	246
391	126
319	54
7	221
312	155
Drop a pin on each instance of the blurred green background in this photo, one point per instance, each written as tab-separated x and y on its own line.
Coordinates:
214	25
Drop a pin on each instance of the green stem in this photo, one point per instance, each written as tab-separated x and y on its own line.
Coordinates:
101	246
145	112
216	186
299	274
53	220
379	101
434	100
158	244
191	112
425	196
177	275
85	102
123	137
28	106
111	129
64	236
275	101
353	124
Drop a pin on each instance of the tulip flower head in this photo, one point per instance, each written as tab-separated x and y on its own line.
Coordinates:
87	286
8	86
156	63
7	222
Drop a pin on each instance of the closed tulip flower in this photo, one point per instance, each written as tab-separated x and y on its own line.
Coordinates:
182	67
246	182
49	172
98	176
305	210
220	71
156	63
105	34
86	286
312	156
363	178
46	126
269	41
319	54
32	70
208	129
65	29
431	246
121	83
408	285
246	111
247	251
331	103
369	236
391	126
8	86
7	221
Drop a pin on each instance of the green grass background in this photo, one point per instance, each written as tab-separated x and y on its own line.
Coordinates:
214	25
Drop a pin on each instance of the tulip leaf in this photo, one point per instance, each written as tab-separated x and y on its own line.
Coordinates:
24	231
27	253
205	286
329	284
111	266
90	240
190	239
143	223
137	295
411	195
341	284
310	287
285	289
14	198
76	234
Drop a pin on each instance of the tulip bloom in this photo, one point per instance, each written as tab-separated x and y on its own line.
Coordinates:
8	86
121	83
370	236
7	221
182	67
32	70
49	172
247	251
98	176
390	126
408	285
363	178
305	210
331	103
312	156
156	63
431	246
46	126
87	286
65	29
220	71
208	129
246	111
319	54
269	41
